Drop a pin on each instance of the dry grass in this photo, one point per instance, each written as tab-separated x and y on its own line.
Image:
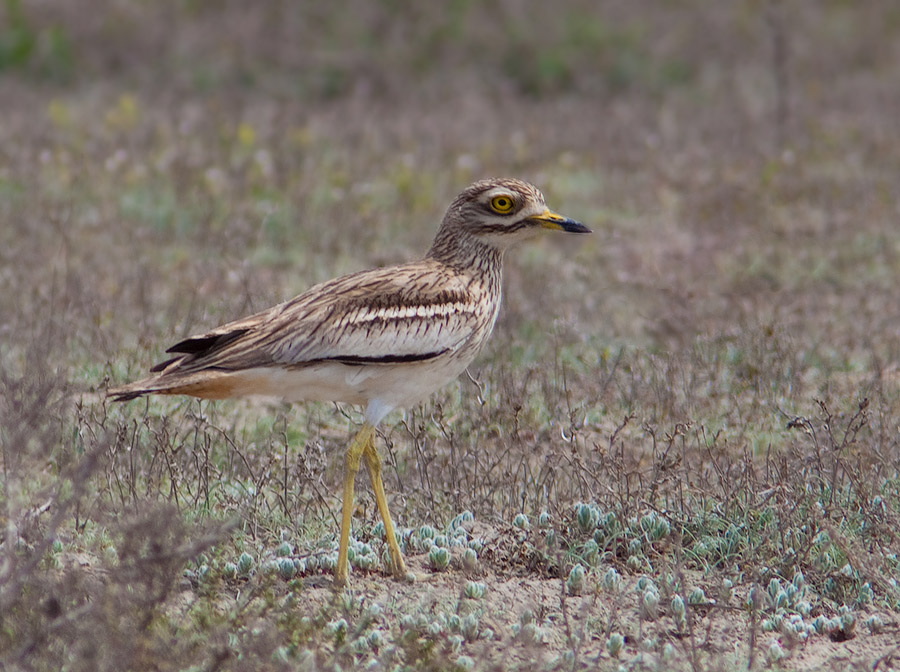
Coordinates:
703	395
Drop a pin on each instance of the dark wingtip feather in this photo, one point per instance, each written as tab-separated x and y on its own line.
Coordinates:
203	345
126	396
162	365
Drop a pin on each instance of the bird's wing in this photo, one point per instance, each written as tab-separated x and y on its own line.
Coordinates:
403	313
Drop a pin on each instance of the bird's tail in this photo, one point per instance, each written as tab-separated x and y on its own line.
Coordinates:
208	384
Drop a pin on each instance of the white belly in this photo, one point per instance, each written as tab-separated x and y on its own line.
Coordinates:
379	387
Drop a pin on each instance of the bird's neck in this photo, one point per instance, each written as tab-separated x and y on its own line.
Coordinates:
466	253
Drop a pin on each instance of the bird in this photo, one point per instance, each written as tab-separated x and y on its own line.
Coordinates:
382	338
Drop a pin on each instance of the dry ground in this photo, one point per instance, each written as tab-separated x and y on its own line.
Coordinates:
701	396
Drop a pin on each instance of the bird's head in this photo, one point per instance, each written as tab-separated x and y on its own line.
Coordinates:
500	212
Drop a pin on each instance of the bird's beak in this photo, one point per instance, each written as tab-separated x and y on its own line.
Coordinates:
550	220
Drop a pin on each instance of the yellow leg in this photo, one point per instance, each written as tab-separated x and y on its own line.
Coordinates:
354	453
373	462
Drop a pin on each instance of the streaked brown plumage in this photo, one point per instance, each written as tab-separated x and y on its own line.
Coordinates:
383	338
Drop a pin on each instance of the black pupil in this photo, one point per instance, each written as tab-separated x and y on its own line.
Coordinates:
502	203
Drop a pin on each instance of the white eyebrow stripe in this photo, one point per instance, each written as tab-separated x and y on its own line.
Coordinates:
406	312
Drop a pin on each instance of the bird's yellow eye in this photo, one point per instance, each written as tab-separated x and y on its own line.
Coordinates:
502	204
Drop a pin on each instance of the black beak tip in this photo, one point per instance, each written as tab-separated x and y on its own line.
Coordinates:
571	226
